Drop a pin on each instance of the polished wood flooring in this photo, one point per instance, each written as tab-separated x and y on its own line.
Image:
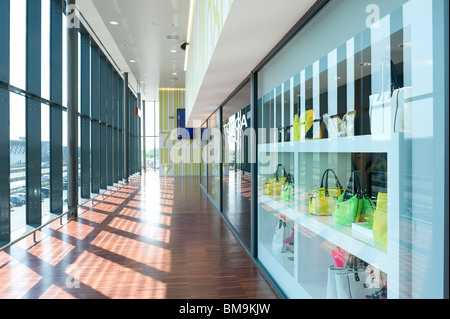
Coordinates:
154	239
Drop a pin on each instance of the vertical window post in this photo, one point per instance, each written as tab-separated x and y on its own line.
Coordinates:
56	117
33	113
126	129
72	125
5	233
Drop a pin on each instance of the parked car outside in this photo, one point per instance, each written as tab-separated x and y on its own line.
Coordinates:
45	192
15	201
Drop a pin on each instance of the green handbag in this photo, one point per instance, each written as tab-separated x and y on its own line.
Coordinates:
350	207
287	193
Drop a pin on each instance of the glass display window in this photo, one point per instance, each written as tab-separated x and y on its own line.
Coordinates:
343	190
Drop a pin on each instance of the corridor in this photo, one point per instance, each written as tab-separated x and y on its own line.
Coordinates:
152	239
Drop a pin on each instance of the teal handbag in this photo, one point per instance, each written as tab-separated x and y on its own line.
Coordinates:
350	206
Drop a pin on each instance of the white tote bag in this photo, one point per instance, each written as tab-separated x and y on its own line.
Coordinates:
401	110
354	284
278	237
331	284
380	113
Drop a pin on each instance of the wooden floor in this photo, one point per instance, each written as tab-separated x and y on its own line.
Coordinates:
154	239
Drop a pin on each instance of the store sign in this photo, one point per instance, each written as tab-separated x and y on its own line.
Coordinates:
234	128
138	112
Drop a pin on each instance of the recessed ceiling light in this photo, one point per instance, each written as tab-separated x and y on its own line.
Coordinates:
174	73
133	61
113	22
173	51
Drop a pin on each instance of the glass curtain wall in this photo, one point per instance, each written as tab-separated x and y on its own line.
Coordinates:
33	97
350	185
204	156
152	135
214	157
236	166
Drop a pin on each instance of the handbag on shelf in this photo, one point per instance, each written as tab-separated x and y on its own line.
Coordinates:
278	245
287	133
354	282
380	220
331	282
348	124
287	193
337	127
275	184
296	128
313	129
349	206
324	198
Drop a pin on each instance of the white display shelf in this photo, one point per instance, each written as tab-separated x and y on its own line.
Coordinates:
385	259
325	227
351	144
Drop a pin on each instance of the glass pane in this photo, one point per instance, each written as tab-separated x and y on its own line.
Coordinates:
18	43
362	107
236	166
65	154
45	50
45	154
64	60
214	157
18	161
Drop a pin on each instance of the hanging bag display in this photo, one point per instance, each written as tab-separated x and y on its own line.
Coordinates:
390	107
275	184
349	206
287	193
380	220
323	200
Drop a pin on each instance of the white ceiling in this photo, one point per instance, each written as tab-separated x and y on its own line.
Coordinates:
142	35
252	29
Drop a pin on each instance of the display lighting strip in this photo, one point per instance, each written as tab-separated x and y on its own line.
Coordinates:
189	33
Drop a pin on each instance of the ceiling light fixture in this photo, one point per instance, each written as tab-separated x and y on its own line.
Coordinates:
189	33
173	51
132	61
113	22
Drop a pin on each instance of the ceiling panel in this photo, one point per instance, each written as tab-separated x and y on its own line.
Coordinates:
146	32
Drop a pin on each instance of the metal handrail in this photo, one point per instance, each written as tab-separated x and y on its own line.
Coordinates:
33	232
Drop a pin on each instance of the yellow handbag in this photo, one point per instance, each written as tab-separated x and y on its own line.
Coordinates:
323	200
297	133
275	184
312	133
380	220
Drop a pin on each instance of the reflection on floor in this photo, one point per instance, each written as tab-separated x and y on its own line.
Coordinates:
155	238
